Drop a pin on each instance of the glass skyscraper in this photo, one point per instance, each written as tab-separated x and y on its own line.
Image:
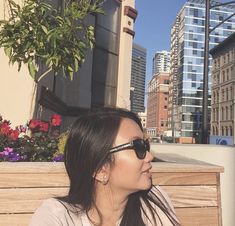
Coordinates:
186	70
138	73
161	62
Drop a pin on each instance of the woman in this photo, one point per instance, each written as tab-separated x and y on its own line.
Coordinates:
108	163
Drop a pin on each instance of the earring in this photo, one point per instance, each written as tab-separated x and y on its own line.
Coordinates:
105	180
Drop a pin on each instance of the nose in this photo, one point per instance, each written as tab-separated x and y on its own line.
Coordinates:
149	157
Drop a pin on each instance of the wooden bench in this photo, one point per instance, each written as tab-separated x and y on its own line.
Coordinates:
193	186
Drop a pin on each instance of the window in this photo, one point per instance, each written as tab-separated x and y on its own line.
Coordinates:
227	74
223	72
222	94
231	112
226	113
165	107
222	114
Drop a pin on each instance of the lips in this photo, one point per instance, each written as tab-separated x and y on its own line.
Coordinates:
147	170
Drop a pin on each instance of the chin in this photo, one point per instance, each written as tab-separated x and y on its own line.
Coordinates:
147	185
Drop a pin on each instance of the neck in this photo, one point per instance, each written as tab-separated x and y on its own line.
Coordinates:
109	203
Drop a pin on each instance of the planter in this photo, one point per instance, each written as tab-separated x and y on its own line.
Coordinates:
193	186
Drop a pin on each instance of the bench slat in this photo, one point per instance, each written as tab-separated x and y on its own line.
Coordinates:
198	216
184	178
192	196
33	180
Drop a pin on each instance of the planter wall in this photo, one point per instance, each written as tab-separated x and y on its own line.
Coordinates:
193	186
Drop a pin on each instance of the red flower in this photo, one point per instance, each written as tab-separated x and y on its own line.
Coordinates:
14	134
5	128
44	126
34	124
55	120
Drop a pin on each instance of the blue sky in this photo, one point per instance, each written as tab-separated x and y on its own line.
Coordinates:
153	25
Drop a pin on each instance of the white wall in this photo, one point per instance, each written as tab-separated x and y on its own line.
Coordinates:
214	154
15	87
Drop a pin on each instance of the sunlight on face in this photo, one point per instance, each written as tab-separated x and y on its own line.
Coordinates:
129	173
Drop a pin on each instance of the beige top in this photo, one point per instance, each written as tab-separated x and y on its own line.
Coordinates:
53	213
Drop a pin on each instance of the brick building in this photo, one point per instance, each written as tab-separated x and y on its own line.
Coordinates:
157	104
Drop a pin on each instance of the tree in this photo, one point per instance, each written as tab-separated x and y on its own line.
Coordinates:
38	33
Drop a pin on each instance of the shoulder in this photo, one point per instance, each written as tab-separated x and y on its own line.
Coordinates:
53	212
157	191
163	209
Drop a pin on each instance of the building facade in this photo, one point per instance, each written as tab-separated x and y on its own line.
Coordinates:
223	89
138	74
143	118
103	80
161	62
157	105
186	74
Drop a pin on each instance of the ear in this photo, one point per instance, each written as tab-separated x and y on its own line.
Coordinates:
102	175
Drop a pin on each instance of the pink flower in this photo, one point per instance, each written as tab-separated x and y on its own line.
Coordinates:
21	129
55	120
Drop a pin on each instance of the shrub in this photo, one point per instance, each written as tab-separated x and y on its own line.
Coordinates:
44	143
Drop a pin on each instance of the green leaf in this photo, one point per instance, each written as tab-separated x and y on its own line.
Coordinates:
8	51
76	64
70	68
70	75
32	69
44	29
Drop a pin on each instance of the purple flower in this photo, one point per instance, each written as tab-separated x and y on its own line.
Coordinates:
14	157
9	155
58	158
6	151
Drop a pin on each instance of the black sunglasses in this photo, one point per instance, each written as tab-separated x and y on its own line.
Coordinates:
139	145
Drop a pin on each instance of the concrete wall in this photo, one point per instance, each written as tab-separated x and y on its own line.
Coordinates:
125	55
214	154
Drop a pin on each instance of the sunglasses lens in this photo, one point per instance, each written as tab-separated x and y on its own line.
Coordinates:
141	147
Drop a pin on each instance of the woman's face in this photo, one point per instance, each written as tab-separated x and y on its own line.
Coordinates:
128	173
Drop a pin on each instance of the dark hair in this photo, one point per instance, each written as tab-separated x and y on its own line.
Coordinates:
87	150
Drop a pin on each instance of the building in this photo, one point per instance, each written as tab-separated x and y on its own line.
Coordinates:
161	62
186	74
223	89
143	118
138	74
103	80
157	105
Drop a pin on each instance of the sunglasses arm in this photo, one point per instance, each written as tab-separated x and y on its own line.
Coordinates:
120	147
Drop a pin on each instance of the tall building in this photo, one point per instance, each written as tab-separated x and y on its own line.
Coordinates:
161	62
138	73
186	73
157	105
223	89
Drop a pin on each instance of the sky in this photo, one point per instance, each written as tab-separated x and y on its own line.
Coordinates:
153	25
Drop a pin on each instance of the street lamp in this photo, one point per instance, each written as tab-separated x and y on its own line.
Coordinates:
204	136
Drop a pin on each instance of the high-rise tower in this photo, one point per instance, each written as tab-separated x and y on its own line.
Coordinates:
186	73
